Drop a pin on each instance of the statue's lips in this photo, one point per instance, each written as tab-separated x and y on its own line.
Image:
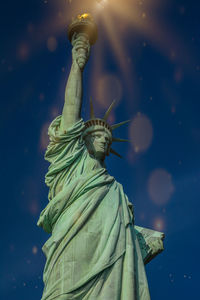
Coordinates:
102	147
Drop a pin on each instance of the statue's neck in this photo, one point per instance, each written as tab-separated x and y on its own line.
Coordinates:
99	162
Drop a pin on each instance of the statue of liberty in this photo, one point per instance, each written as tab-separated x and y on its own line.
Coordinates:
94	251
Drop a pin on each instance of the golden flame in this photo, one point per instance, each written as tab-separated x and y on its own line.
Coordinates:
85	16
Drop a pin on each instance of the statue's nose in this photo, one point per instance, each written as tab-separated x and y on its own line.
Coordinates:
103	139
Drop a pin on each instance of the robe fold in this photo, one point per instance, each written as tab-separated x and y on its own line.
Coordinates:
93	252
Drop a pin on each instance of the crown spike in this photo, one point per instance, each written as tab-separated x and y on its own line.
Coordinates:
109	110
114	139
92	115
114	152
113	127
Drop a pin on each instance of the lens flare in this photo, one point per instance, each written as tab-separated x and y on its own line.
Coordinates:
44	139
34	207
140	133
160	186
23	52
158	224
52	44
34	250
119	20
108	88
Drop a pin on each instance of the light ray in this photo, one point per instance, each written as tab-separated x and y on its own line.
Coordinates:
116	44
153	29
119	51
92	115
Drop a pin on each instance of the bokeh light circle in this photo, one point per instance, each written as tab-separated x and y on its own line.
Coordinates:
44	138
140	133
108	88
35	250
23	52
158	224
160	186
52	44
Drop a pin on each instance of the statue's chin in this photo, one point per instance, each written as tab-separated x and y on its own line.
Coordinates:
99	155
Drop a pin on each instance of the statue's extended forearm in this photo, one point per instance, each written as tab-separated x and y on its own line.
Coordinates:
73	98
73	93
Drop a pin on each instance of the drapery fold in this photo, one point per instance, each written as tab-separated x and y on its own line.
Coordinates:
93	252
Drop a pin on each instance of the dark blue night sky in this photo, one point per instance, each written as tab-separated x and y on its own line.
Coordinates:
147	57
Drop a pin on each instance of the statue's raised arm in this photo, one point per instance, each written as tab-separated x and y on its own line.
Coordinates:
95	251
73	93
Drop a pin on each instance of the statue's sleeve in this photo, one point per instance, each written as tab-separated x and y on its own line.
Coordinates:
59	139
63	152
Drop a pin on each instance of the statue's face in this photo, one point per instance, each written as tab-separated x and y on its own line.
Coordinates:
98	144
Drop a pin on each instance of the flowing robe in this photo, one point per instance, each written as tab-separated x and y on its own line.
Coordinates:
93	252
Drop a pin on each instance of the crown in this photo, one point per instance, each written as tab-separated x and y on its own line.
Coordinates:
94	124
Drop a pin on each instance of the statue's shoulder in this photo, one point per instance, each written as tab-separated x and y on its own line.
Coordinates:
56	133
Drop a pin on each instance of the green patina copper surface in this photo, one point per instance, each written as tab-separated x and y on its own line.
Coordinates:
150	241
95	251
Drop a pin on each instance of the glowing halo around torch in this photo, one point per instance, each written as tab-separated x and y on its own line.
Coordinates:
119	21
117	18
141	16
83	24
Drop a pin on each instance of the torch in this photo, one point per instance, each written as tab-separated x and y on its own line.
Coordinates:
83	24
